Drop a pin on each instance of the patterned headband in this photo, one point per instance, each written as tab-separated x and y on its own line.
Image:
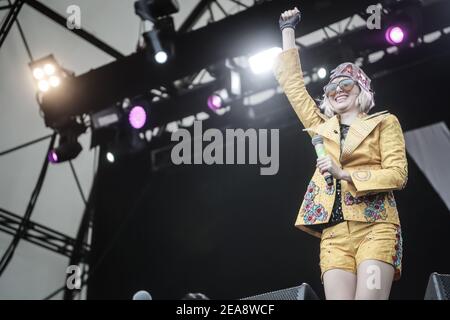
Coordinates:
351	70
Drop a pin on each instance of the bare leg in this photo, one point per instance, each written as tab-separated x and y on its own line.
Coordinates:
339	284
374	280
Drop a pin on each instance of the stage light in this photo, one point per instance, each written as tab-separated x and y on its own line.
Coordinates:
54	81
49	69
155	47
161	57
395	35
105	118
262	62
65	152
47	73
38	73
232	89
105	124
110	157
159	41
68	146
43	85
322	73
137	117
215	102
219	99
52	156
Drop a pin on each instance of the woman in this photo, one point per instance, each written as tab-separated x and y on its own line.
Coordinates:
356	218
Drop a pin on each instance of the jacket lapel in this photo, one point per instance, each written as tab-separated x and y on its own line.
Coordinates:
359	130
329	129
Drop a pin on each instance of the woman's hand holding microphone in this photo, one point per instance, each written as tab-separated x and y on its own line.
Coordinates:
326	164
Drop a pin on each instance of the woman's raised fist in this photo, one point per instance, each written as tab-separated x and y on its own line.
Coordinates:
289	18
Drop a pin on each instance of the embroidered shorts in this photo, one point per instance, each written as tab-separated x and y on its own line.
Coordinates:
347	244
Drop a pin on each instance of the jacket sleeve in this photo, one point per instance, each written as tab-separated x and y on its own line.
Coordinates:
288	72
393	174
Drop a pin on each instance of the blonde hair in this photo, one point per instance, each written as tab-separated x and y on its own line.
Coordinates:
365	101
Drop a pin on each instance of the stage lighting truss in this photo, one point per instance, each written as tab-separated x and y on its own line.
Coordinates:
47	74
152	10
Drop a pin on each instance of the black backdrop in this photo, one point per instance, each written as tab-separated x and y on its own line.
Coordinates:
228	232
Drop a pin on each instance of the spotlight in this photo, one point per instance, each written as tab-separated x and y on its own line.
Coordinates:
53	156
65	152
219	99
232	90
395	35
404	22
262	62
153	42
38	73
215	102
161	57
47	73
158	40
49	69
322	73
110	157
137	117
68	146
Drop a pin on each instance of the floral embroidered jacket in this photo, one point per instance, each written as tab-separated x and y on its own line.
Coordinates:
373	153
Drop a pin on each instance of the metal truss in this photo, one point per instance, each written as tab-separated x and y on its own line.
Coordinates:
7	23
40	235
205	7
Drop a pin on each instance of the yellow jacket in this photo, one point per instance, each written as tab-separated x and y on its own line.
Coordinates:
373	153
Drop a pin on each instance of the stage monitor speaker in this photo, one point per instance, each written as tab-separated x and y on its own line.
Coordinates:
302	292
438	287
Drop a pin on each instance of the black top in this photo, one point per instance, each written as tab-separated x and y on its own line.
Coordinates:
336	213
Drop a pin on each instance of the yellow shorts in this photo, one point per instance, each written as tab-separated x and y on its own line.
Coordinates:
347	244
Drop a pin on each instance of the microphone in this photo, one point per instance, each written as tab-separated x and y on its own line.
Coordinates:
317	142
142	295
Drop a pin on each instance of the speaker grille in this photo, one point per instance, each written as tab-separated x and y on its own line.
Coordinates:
302	292
438	287
445	284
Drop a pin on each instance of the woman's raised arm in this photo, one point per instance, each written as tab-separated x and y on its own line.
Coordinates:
288	72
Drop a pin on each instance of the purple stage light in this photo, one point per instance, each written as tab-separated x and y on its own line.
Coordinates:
52	156
214	102
395	35
137	117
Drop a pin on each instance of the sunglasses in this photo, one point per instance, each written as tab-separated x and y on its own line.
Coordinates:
346	85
